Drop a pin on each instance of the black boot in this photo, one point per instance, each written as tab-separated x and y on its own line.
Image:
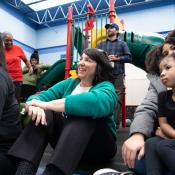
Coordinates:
25	168
52	170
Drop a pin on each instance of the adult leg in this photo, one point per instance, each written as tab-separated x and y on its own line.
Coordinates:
33	140
119	85
153	162
7	166
166	152
102	146
73	141
139	167
27	90
18	86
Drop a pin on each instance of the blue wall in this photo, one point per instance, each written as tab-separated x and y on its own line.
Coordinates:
51	41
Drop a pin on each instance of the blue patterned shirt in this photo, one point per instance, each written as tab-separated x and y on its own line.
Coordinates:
119	48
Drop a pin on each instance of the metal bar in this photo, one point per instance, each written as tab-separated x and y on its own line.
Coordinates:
36	2
50	15
83	7
73	4
56	13
77	42
96	30
63	12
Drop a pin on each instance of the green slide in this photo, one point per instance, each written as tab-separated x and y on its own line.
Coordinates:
53	75
140	45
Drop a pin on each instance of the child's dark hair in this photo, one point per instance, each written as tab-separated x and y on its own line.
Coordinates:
35	55
172	55
152	60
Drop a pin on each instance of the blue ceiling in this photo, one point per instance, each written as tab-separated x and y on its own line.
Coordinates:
59	13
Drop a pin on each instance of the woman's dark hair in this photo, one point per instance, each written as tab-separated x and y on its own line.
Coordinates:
152	60
2	56
170	40
170	35
104	70
35	55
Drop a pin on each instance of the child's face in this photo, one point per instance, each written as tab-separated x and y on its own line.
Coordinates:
34	61
168	49
167	71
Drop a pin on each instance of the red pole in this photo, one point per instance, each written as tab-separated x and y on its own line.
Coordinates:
111	11
124	105
69	43
90	13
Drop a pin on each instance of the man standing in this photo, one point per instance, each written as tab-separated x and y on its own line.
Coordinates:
118	54
14	54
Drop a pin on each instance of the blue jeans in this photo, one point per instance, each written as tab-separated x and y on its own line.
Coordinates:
141	170
140	167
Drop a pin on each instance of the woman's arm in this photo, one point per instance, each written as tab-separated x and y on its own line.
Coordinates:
166	128
146	114
54	105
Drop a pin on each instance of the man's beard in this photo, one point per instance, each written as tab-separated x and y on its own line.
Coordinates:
111	34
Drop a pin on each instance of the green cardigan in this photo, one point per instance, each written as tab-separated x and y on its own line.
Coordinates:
100	101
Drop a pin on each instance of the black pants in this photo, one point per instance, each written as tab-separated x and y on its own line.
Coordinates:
27	90
160	156
119	86
7	166
18	86
73	139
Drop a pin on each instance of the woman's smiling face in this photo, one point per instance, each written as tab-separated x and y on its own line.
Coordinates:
86	68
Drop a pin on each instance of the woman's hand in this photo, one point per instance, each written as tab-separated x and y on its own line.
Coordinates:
37	103
54	105
37	114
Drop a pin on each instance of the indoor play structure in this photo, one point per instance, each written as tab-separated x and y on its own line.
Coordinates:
87	32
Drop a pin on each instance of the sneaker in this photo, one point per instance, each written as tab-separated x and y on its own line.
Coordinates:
127	173
106	171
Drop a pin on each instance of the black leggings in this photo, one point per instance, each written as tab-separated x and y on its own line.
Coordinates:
73	138
18	86
27	90
160	155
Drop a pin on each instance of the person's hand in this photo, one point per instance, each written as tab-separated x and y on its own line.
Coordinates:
37	103
160	133
132	147
113	57
31	70
37	114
